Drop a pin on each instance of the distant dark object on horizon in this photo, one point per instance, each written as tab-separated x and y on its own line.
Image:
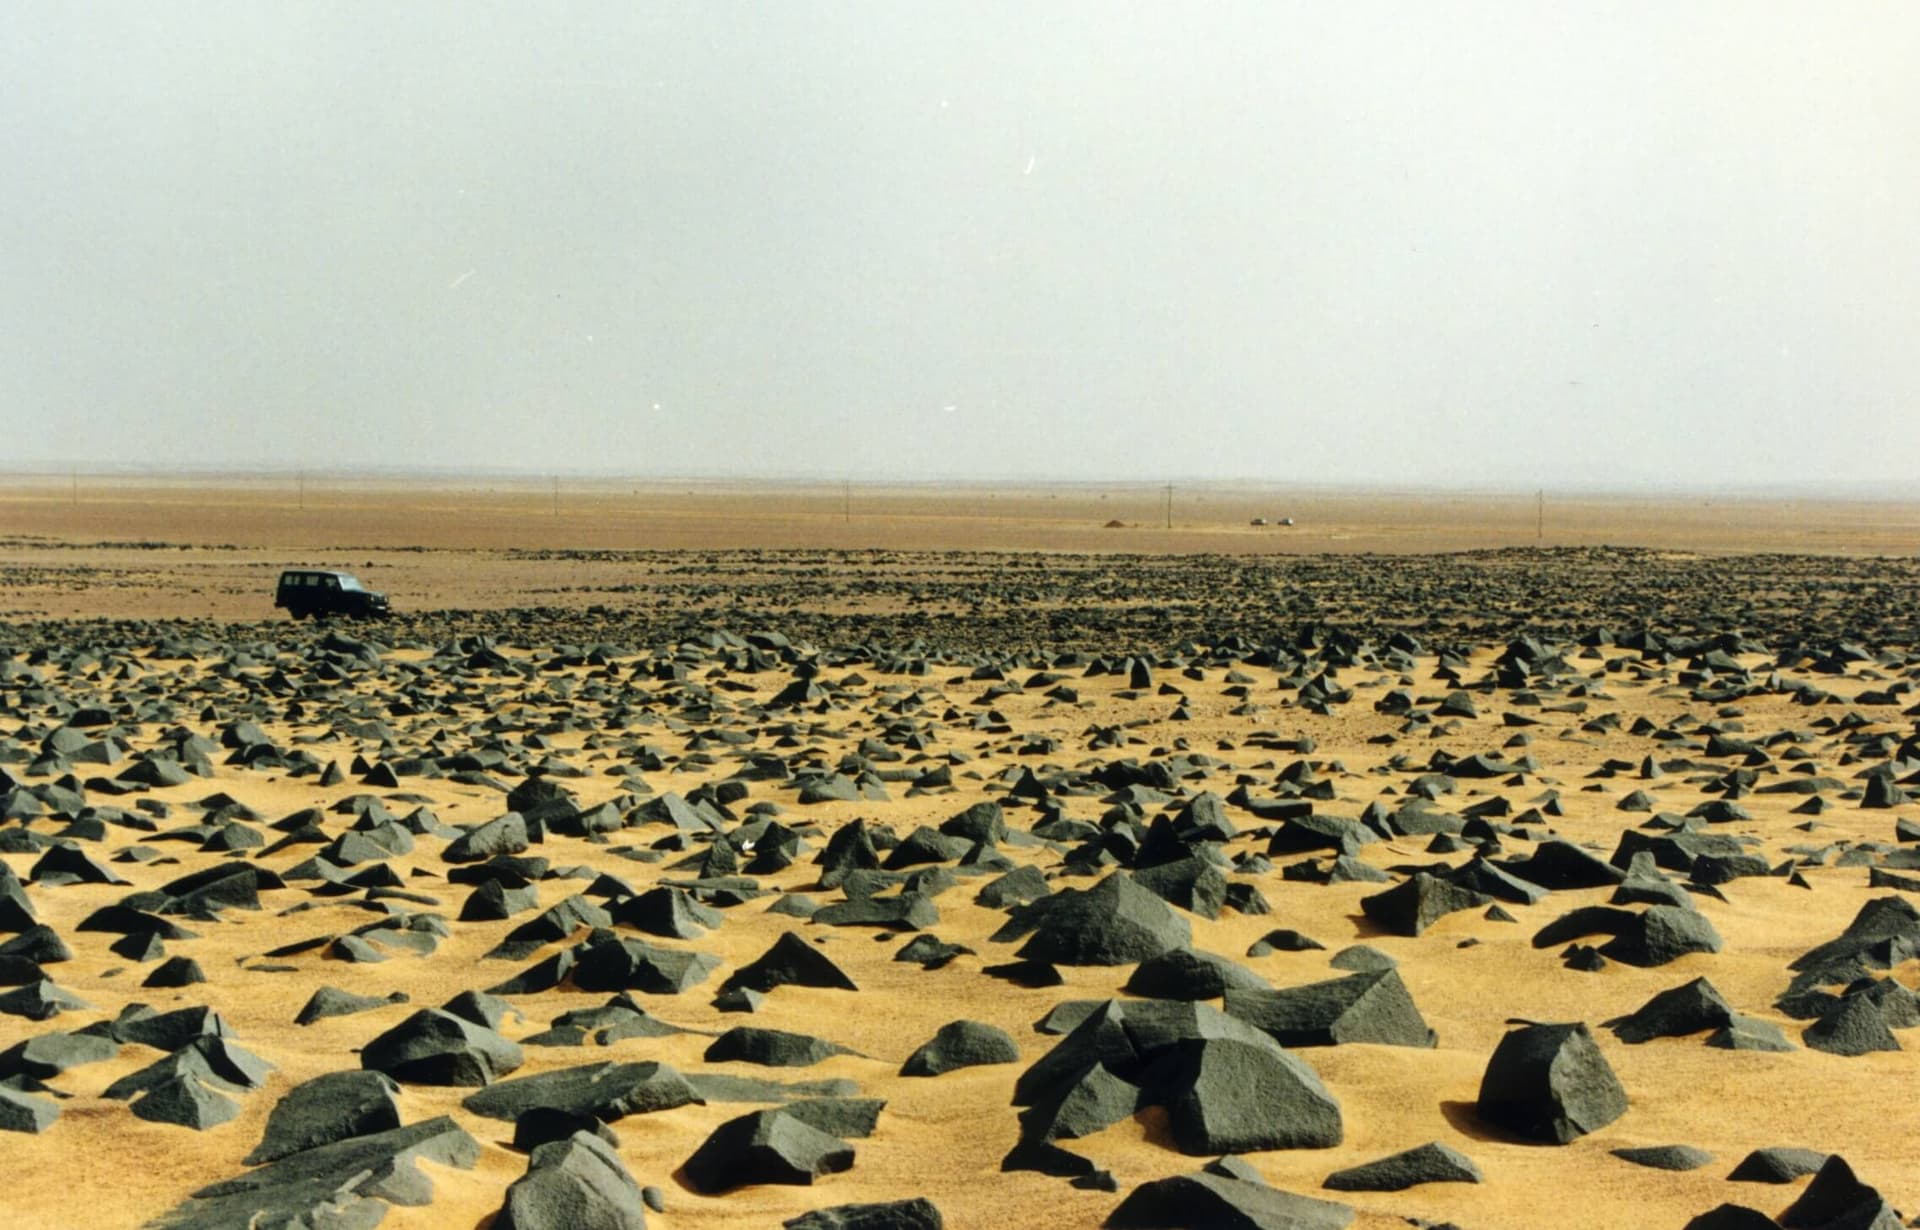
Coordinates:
318	593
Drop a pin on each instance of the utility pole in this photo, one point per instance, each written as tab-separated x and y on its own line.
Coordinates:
556	495
301	481
1540	516
846	502
1169	505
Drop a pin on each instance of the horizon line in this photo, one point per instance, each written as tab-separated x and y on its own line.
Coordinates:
1863	491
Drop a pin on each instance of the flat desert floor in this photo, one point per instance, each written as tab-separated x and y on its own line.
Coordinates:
1422	763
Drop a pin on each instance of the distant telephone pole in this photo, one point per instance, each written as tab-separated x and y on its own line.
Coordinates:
1540	516
1169	505
846	502
556	495
301	482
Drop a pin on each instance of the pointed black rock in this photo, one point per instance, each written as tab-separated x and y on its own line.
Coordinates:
767	1146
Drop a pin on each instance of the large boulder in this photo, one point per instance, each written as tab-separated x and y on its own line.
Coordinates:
574	1184
1416	903
1187	973
1550	1083
1365	1007
1690	1008
345	1184
1837	1200
767	1146
1225	1085
505	835
1225	1095
435	1047
1116	922
961	1044
790	961
605	1091
775	1048
329	1108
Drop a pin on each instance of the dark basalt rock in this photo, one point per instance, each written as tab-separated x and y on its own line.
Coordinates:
791	961
1283	940
1665	1157
1367	1007
165	1031
1116	922
48	1055
495	900
329	1108
1429	1163
1674	1013
481	1008
1082	1103
574	1184
345	1184
669	912
905	912
1224	1095
767	1146
1745	1033
961	1044
505	835
546	1124
332	1001
1016	887
434	1047
774	1048
1559	865
1652	937
1221	1202
845	1117
1837	1200
175	972
1550	1083
24	1112
1776	1164
1187	973
1193	884
608	963
1362	959
605	1091
1857	1025
918	1213
1731	1216
1416	903
195	1086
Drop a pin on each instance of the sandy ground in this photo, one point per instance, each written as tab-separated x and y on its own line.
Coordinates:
95	547
944	1137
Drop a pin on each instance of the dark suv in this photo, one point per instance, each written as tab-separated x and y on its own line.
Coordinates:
318	593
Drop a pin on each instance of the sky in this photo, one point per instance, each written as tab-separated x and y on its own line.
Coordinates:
1436	243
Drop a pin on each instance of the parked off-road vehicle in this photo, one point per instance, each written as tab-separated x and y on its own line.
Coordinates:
318	593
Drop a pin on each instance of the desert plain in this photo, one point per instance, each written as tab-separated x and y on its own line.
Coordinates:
1327	810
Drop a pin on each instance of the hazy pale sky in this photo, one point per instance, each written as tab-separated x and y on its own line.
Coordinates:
1445	242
